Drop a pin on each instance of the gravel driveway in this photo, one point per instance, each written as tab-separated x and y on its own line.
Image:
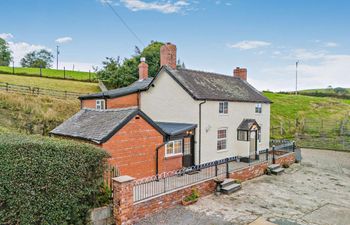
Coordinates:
315	192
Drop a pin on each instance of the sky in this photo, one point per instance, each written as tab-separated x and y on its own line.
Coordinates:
265	36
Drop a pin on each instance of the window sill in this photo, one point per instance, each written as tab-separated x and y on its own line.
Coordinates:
173	156
223	150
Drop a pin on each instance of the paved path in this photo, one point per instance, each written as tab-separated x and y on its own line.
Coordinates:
315	192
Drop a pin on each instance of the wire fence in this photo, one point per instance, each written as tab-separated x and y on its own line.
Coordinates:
315	133
38	91
50	73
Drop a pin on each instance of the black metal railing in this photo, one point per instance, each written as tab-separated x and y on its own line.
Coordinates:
166	182
281	147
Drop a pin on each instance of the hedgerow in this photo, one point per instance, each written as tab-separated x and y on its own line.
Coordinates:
47	181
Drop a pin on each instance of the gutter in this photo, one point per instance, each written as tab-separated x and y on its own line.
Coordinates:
200	132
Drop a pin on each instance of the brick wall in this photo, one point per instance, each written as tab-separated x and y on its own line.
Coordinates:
146	208
113	103
286	159
133	150
250	172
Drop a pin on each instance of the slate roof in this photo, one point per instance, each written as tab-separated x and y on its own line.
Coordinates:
247	124
212	86
175	128
94	125
133	88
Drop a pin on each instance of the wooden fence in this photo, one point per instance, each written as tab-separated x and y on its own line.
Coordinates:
38	91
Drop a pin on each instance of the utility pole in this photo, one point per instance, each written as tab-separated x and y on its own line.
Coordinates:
57	53
296	77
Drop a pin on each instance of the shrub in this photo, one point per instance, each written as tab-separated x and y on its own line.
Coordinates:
193	196
47	181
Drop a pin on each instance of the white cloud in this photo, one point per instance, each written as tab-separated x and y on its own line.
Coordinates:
160	6
78	66
246	45
327	69
304	54
63	40
331	44
6	36
20	49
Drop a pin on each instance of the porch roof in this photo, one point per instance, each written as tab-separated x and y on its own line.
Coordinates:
247	124
175	128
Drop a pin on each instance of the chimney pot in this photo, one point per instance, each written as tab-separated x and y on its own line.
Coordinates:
143	69
168	55
240	73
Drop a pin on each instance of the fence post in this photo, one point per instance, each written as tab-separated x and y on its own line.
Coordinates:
7	86
123	199
273	154
216	168
293	146
227	169
267	154
41	74
64	72
89	75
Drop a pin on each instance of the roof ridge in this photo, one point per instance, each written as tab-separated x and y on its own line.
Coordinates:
208	72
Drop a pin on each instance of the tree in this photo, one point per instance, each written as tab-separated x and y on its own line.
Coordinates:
38	59
116	73
5	53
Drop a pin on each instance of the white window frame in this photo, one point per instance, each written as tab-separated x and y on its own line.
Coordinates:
173	143
222	109
100	104
221	139
258	108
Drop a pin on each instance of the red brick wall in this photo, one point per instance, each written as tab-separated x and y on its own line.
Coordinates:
286	159
113	103
133	150
122	102
250	172
147	208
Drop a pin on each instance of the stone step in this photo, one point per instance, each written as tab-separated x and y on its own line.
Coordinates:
231	188
274	166
227	182
277	171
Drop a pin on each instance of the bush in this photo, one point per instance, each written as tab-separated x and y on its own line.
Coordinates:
47	181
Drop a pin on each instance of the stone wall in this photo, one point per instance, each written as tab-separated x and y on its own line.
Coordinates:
250	172
101	216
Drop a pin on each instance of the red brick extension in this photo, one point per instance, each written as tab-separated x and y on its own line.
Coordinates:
130	213
133	150
114	103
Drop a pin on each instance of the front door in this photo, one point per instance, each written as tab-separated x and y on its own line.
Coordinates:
253	144
188	151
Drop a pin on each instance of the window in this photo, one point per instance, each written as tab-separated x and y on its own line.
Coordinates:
242	135
100	104
173	148
222	139
258	108
223	107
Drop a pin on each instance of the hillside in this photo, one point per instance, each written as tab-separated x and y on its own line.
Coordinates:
34	114
48	83
53	73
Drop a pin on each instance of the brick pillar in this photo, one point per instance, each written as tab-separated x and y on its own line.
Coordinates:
123	202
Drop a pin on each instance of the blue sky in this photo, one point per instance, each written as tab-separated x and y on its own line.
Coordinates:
267	37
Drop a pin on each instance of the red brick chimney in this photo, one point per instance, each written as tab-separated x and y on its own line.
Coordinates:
240	73
143	69
168	55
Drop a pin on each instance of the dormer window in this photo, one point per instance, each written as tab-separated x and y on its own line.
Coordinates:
100	104
223	108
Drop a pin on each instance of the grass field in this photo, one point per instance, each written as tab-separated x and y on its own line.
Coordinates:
68	74
54	84
34	114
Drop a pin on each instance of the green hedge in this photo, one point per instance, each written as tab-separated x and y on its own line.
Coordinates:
47	181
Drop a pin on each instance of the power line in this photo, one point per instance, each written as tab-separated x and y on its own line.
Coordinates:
125	24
